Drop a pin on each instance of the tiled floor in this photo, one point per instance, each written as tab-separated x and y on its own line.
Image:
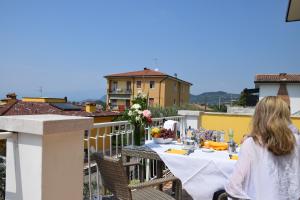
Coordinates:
167	189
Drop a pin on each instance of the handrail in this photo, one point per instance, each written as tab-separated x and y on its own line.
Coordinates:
5	135
107	124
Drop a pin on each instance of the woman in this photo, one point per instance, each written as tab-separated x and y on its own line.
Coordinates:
269	164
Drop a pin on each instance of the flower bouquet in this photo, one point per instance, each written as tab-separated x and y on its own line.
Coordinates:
162	135
139	116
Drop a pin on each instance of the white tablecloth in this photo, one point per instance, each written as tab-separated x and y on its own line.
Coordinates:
201	173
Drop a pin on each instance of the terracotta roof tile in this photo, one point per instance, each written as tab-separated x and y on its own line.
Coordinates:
34	108
282	77
145	72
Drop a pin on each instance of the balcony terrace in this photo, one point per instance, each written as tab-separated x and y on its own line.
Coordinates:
120	91
45	153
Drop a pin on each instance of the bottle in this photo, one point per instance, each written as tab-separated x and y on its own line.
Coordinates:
231	145
230	134
189	133
222	139
218	136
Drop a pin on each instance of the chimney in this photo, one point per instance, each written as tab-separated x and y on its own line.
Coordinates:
282	76
66	99
11	96
145	68
175	75
90	107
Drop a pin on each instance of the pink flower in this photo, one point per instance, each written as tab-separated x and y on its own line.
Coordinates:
147	113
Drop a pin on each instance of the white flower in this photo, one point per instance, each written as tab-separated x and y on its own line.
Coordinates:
140	112
129	113
137	118
136	106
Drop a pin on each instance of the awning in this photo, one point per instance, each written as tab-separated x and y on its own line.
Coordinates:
293	12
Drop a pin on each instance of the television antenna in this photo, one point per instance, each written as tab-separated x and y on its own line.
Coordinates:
155	62
41	91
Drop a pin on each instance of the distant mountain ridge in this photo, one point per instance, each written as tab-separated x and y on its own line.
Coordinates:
101	100
212	98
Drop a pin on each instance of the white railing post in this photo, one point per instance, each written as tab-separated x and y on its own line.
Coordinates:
89	162
129	132
44	159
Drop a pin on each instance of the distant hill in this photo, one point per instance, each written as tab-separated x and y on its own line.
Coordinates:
103	98
212	98
97	101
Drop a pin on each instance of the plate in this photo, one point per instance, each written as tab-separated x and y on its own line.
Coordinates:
178	143
162	140
208	150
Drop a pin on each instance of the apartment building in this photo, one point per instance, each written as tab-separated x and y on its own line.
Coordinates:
162	89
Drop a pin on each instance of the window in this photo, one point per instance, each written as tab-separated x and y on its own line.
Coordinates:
128	86
139	84
127	103
115	86
152	84
113	102
174	102
151	101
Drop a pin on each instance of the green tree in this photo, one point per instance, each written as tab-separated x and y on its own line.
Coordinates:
217	108
243	98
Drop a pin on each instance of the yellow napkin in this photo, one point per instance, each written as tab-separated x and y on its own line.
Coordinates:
234	157
177	151
216	145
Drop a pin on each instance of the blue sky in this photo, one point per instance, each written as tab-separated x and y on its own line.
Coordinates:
68	46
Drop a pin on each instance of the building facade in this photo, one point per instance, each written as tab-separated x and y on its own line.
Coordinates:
287	86
162	89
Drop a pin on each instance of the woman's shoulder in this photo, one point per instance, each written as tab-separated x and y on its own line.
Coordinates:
248	145
296	133
249	141
294	129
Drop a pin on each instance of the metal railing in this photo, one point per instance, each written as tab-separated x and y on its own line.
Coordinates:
120	91
109	138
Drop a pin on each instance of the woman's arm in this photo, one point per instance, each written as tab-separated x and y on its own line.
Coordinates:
241	173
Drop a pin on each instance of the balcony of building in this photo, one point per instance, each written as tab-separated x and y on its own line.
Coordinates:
50	156
121	91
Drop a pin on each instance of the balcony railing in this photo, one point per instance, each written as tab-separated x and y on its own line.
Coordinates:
120	91
48	150
110	138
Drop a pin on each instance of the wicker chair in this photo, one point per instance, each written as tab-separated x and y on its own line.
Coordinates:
115	180
222	195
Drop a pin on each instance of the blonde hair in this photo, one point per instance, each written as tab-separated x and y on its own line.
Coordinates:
270	126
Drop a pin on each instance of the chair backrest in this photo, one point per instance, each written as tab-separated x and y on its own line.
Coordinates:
113	176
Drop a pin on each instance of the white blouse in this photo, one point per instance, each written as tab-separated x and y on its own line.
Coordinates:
260	175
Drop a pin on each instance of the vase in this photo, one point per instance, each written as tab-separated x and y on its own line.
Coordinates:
139	135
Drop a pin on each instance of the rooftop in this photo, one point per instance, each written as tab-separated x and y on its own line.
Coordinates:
33	108
146	72
276	78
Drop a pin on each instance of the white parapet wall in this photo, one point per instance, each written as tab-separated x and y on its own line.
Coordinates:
45	156
240	109
191	118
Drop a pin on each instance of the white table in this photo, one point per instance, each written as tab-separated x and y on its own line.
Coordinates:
201	173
